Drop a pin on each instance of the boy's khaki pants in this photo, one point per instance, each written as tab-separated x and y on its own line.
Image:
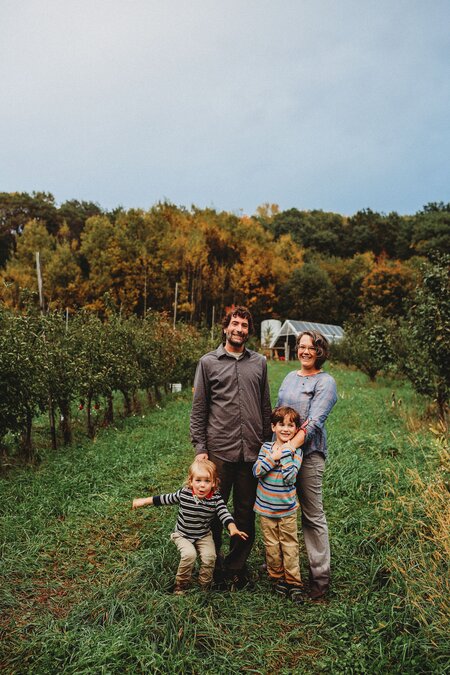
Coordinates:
188	552
281	542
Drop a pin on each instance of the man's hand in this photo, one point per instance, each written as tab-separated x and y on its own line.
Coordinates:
202	455
232	529
142	501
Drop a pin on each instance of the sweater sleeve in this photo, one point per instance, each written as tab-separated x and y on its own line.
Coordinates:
200	410
290	465
167	499
221	509
266	406
325	397
264	463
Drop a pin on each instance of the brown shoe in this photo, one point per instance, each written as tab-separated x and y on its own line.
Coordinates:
178	589
281	588
297	594
205	587
318	593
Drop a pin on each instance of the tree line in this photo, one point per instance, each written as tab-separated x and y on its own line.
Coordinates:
309	265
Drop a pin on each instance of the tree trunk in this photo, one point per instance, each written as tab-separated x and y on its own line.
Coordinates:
192	297
136	403
66	424
109	414
51	415
90	424
150	397
26	444
127	402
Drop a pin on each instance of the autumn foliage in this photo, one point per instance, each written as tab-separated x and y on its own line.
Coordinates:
307	265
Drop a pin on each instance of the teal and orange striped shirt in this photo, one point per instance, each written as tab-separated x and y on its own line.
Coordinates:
276	495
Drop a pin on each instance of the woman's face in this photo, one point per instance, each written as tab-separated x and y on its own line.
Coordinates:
307	353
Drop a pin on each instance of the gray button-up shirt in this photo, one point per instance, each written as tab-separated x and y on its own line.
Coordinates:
231	408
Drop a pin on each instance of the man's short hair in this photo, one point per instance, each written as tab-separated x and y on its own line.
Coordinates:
241	312
278	415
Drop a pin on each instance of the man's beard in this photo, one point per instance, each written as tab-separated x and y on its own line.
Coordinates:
235	343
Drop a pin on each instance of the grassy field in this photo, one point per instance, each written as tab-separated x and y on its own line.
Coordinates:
86	580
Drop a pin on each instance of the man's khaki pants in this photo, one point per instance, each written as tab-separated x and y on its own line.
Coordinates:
188	552
281	542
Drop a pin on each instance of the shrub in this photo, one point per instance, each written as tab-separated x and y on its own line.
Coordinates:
422	350
23	392
366	344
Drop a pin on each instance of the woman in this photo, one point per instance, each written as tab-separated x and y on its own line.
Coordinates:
312	392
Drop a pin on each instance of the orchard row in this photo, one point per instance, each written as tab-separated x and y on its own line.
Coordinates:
51	364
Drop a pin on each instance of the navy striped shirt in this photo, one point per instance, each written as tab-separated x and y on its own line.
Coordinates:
195	515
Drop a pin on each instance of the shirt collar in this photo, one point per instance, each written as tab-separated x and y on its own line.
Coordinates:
198	499
221	351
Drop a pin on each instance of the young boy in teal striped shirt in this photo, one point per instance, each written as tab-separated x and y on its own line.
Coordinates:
276	468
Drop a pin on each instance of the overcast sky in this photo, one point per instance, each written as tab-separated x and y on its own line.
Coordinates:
335	105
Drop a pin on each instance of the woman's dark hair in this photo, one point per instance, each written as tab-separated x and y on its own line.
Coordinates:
320	343
241	312
278	415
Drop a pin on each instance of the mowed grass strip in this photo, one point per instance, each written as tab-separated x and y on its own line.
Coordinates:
87	581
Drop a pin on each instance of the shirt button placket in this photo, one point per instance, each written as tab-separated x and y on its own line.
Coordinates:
240	410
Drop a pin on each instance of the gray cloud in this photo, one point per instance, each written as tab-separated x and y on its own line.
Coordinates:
314	104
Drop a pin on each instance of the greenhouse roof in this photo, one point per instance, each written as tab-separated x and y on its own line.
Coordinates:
291	327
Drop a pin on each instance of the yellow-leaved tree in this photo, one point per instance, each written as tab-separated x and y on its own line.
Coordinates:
19	275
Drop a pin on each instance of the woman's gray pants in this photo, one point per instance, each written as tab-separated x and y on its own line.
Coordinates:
314	523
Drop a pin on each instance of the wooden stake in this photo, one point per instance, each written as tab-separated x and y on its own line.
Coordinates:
51	407
175	304
39	280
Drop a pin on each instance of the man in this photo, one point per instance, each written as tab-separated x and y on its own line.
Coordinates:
230	419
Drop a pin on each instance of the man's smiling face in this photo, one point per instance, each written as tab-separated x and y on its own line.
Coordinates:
236	334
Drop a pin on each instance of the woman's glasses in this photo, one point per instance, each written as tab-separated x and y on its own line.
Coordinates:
306	348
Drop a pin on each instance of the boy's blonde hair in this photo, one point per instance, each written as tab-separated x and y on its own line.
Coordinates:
198	465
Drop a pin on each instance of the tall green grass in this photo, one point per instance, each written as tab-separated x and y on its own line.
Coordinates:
87	581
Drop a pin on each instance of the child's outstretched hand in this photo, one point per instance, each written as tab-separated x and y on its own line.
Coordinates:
232	529
142	501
